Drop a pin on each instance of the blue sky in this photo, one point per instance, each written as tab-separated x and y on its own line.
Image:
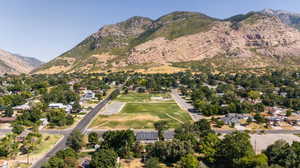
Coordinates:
46	28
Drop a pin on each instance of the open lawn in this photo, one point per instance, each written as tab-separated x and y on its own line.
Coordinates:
48	141
143	116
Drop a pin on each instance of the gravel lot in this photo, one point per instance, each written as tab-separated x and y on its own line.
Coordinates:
261	142
113	108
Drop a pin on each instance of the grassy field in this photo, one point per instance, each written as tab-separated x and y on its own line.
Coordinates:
133	97
141	113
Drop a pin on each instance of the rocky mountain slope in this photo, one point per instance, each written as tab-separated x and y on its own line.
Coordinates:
184	40
16	64
292	19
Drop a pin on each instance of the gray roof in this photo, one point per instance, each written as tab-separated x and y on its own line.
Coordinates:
233	118
153	135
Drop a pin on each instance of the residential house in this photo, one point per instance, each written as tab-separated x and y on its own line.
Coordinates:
275	120
233	118
67	108
88	95
56	105
276	111
151	137
23	107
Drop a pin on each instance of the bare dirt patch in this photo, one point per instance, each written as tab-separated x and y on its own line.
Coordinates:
135	163
261	142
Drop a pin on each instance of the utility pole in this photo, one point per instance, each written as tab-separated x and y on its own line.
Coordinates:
255	144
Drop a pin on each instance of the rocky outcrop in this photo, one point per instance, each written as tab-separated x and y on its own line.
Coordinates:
289	18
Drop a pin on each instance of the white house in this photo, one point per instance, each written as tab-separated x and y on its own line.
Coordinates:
22	107
67	108
56	105
88	95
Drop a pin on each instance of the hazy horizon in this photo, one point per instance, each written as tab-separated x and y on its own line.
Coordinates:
46	29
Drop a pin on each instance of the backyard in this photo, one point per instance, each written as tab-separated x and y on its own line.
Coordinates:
48	141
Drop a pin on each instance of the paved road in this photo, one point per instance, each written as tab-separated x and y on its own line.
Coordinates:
81	126
185	105
46	131
101	131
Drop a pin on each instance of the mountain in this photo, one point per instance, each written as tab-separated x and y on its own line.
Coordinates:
16	64
182	40
292	19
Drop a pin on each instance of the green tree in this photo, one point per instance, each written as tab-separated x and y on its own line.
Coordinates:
202	127
252	161
104	158
93	139
208	146
186	132
63	159
8	112
152	163
58	117
259	118
17	128
233	147
170	152
160	126
188	161
54	162
120	141
9	146
281	153
288	113
30	143
76	107
75	140
254	94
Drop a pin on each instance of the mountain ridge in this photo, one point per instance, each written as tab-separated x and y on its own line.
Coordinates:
141	43
289	18
16	64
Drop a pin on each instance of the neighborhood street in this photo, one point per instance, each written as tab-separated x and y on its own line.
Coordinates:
185	105
81	126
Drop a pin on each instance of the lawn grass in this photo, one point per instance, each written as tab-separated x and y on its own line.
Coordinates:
143	116
21	165
47	143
